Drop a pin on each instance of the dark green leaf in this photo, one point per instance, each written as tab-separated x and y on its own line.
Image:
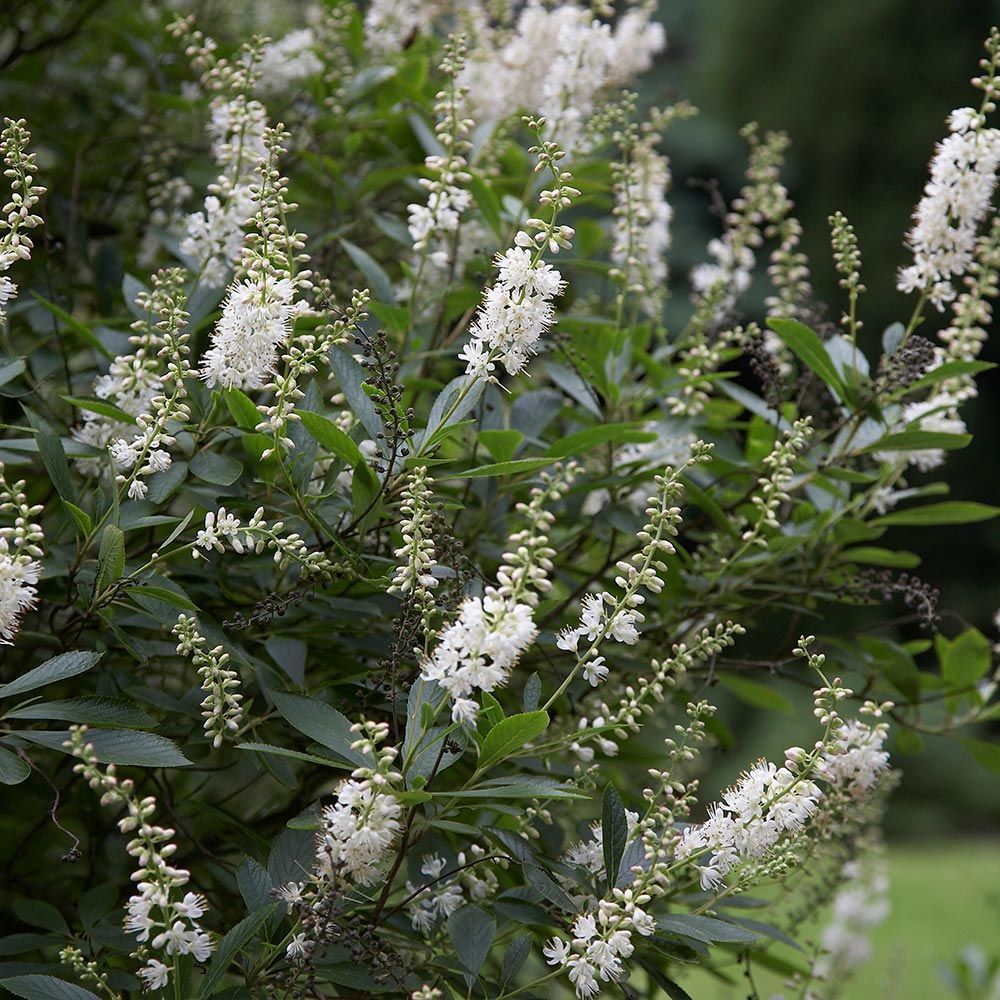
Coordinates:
707	929
117	746
111	558
45	988
320	722
471	930
100	407
614	833
58	668
230	946
757	694
512	468
92	711
376	278
13	769
514	958
72	323
220	470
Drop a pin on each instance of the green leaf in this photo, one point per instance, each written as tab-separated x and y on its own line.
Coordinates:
331	437
53	456
230	946
946	512
614	833
514	958
920	441
593	437
501	444
512	468
809	349
220	470
41	914
13	769
488	202
983	752
100	407
527	787
871	555
706	929
509	736
92	711
292	754
162	594
117	746
11	370
350	378
241	406
253	883
321	723
45	988
471	930
966	659
111	558
757	694
72	323
80	518
542	882
950	369
58	668
378	281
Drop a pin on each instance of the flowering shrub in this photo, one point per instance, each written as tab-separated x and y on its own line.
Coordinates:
383	532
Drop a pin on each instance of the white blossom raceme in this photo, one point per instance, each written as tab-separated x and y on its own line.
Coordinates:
20	550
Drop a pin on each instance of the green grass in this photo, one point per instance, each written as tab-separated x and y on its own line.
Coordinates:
945	896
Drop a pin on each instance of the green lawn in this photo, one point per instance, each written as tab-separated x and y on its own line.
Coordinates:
945	896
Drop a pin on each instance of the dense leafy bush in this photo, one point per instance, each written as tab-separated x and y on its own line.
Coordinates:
381	532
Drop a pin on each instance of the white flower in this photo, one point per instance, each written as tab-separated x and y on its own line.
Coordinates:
594	670
956	200
556	952
288	61
256	320
297	947
155	974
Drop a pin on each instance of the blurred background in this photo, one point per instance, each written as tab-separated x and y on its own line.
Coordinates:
863	88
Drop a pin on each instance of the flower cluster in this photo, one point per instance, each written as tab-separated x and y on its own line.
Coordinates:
446	890
641	232
162	912
955	202
259	308
288	61
583	59
221	708
256	536
859	905
16	217
605	615
20	550
358	829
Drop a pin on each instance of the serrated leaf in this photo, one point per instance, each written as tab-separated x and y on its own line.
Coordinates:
13	769
512	468
91	711
514	958
110	558
117	746
471	930
254	885
614	833
542	882
331	437
45	988
509	736
532	693
80	517
242	408
528	786
58	668
707	929
232	942
322	723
